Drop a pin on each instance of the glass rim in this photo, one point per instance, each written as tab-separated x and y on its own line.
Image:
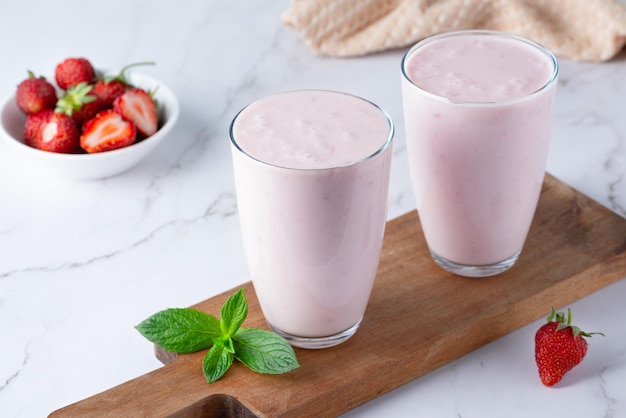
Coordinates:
380	150
483	32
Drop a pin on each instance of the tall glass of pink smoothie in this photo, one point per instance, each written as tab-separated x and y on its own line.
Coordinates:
312	176
478	112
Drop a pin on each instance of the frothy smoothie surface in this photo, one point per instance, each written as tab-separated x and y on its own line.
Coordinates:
479	68
311	129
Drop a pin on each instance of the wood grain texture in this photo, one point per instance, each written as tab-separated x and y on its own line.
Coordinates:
428	316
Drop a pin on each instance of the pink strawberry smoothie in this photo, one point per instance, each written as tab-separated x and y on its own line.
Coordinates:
478	111
311	173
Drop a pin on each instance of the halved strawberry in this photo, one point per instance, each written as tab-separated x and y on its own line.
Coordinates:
107	131
137	106
32	126
52	131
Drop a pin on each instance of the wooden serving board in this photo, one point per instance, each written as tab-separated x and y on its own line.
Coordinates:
428	316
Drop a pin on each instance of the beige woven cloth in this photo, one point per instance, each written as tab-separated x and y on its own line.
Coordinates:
585	30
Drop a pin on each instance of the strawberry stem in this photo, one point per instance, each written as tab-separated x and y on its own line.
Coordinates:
122	76
559	317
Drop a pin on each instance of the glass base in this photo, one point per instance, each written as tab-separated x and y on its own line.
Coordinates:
317	342
475	271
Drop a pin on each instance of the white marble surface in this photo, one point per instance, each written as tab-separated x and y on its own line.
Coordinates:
81	263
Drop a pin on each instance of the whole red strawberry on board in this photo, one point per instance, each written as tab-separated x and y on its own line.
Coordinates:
559	346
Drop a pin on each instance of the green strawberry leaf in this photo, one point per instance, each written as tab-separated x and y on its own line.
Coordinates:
562	323
264	351
74	98
216	362
551	315
181	330
233	313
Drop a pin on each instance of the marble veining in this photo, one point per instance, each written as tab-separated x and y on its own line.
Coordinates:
81	263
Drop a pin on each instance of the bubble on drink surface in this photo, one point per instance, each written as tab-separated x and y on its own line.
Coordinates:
456	82
505	90
480	44
262	121
454	53
303	122
426	71
541	63
476	88
322	149
348	136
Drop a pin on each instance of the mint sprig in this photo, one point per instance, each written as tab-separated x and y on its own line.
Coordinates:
186	330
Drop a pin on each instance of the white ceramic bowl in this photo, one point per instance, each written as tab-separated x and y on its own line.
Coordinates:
89	166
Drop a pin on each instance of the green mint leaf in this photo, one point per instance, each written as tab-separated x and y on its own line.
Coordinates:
181	330
233	313
264	351
216	362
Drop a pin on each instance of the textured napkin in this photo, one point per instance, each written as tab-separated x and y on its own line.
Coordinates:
585	30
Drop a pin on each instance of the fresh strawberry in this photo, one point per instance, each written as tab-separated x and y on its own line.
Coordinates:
52	131
109	88
88	111
35	94
107	131
137	106
559	346
80	103
73	71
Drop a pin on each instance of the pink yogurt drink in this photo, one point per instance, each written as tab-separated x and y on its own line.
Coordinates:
312	176
478	112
